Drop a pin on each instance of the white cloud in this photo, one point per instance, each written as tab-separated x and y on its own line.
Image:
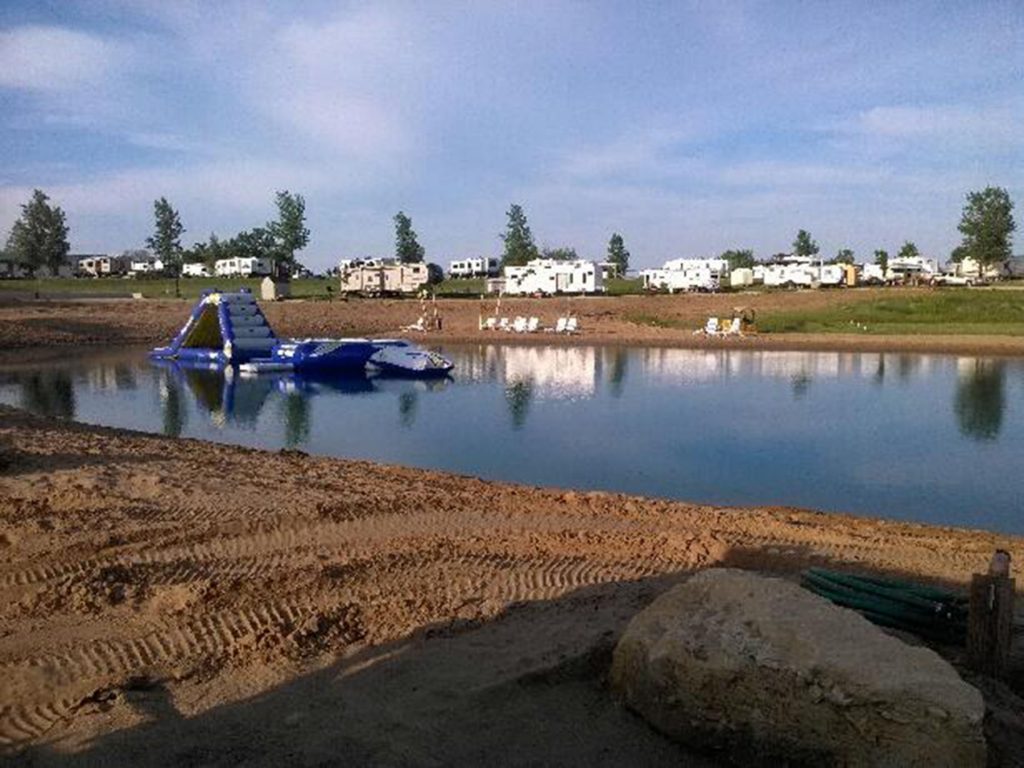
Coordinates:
965	126
54	59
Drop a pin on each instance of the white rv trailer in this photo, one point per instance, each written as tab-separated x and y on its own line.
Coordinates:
380	277
799	271
551	276
900	270
242	267
688	275
196	269
483	266
99	265
145	265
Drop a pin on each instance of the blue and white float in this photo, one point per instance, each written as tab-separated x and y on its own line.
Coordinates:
230	329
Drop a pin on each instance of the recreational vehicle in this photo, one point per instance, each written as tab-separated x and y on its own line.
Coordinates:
488	266
197	269
792	271
380	277
99	265
687	275
242	267
550	276
145	265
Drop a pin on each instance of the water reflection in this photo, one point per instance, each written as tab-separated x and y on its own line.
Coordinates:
48	393
617	362
518	395
296	419
980	400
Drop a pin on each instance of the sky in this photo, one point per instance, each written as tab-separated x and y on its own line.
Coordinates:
688	127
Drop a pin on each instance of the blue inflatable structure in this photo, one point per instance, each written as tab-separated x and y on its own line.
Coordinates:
228	328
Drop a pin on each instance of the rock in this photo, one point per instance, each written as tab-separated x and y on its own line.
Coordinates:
765	670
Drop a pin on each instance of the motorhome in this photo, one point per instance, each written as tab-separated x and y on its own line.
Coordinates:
197	269
380	277
484	266
242	267
791	271
552	276
687	275
145	265
100	265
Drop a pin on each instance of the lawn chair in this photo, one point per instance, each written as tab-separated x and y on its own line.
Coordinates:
519	326
417	326
533	325
490	324
559	326
710	328
734	328
572	325
503	324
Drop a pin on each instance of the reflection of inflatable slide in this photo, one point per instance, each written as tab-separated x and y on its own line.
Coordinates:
229	329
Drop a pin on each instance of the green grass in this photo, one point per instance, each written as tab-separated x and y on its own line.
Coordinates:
952	311
622	286
460	286
655	321
156	288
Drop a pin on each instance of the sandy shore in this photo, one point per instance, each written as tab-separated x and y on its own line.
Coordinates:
278	606
650	320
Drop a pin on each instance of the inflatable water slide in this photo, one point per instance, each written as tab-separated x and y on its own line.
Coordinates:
228	328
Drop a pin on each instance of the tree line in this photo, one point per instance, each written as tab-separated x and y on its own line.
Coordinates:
39	238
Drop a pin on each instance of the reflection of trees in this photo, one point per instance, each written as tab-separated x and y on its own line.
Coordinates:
48	393
617	367
801	385
980	400
124	378
407	402
880	370
207	386
175	414
518	395
296	419
906	365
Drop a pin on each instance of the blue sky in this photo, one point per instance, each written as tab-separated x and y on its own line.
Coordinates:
689	127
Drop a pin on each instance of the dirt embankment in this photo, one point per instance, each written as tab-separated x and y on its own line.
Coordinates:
140	573
655	320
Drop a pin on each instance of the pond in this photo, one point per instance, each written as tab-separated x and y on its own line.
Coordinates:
928	438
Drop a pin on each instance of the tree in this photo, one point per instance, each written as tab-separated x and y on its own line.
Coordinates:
743	259
256	243
518	239
987	226
844	256
165	241
908	251
804	244
565	253
289	231
40	237
882	259
407	248
617	254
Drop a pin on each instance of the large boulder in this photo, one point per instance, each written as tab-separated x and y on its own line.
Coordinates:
765	670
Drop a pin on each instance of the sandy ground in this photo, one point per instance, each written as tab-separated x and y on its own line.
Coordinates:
173	601
609	320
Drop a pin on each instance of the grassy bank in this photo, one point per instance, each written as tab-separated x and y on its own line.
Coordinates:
951	311
155	288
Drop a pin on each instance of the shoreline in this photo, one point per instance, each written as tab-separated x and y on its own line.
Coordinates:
216	573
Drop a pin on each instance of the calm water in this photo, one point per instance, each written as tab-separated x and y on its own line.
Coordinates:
930	438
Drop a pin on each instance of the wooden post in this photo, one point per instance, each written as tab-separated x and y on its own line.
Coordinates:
990	617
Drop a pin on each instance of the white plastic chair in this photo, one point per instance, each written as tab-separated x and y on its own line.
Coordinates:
533	325
560	325
710	328
734	328
519	326
490	323
503	324
572	325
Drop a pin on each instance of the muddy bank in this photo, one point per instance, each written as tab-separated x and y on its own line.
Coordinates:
649	320
150	579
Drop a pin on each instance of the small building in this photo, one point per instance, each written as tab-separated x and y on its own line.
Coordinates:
196	269
550	276
382	277
242	267
483	266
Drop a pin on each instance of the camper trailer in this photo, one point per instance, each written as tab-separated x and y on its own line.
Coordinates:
488	266
687	275
550	276
100	265
792	271
242	267
196	269
380	277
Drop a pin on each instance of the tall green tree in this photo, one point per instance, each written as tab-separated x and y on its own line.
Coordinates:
844	256
165	241
288	231
407	248
908	251
518	239
617	253
742	259
804	244
882	258
565	253
40	237
987	226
